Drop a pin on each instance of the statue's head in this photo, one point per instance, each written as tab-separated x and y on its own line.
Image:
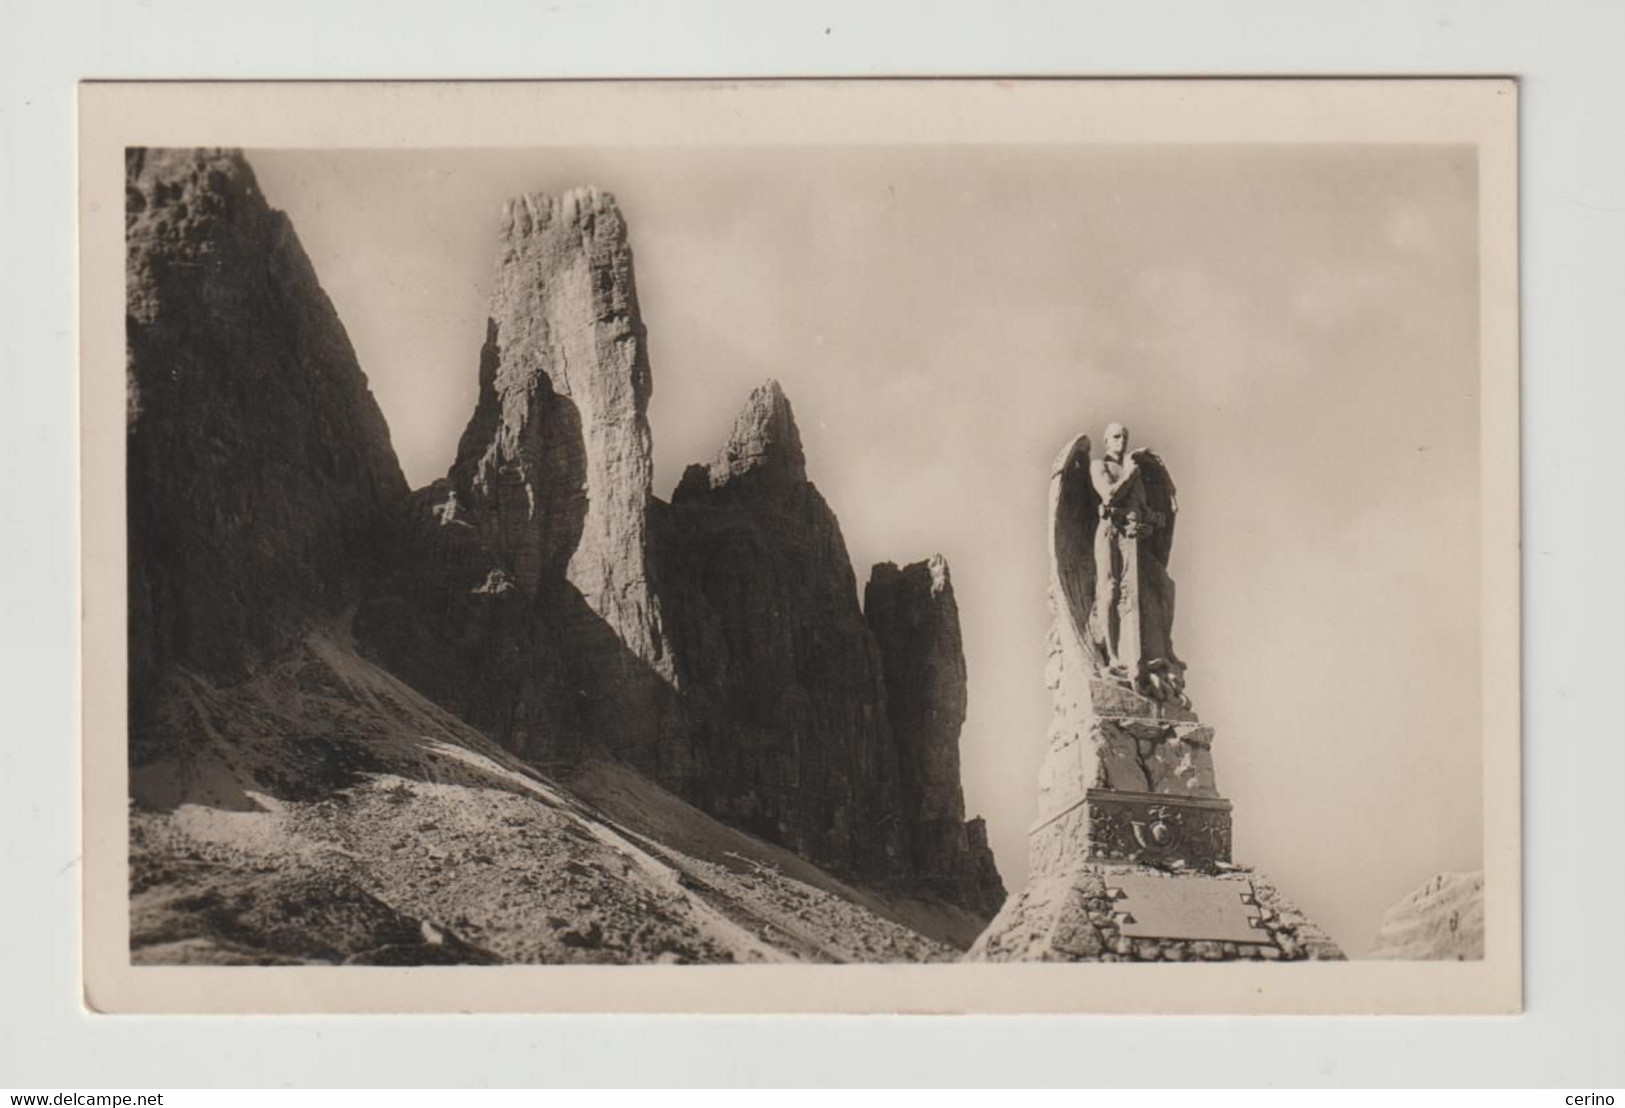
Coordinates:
1116	440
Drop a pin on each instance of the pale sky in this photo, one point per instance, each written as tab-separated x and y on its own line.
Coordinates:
1293	329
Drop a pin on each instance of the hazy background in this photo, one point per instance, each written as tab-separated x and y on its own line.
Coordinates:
1294	329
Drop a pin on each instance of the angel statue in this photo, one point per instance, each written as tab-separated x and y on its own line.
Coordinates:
1113	520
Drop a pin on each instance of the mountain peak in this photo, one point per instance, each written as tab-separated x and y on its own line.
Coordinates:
536	212
764	440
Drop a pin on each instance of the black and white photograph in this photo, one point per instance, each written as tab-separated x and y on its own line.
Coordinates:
664	527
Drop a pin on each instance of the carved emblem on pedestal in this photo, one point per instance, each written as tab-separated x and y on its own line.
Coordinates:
1150	828
1158	836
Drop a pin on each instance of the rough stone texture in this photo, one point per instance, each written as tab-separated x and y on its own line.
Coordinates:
1069	916
781	676
915	620
1121	743
1178	760
543	625
1108	699
1443	920
763	450
555	464
453	623
260	473
1148	828
1129	754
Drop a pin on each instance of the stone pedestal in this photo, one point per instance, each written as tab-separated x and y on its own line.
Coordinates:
1130	855
1127	779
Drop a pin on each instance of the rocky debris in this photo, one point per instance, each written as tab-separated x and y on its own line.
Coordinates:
260	473
324	812
915	621
222	909
1443	920
1071	916
525	595
712	855
780	673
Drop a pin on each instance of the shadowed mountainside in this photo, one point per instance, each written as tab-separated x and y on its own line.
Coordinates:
261	481
295	801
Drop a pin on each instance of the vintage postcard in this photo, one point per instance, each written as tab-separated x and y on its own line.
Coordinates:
714	547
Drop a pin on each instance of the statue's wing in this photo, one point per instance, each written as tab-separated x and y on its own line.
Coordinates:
1161	498
1074	514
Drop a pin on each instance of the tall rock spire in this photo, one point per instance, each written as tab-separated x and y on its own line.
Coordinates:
530	562
555	466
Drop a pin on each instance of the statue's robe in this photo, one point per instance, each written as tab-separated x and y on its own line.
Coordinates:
1133	616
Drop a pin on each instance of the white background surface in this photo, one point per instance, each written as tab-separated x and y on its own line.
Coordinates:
1574	273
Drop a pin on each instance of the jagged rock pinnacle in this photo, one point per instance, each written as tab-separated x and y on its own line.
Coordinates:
764	440
552	480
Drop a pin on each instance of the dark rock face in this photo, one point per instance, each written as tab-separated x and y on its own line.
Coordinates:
781	677
525	600
261	479
915	621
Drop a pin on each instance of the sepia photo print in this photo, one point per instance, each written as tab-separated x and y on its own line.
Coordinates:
956	546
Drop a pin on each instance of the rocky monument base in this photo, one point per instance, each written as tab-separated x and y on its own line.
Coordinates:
1105	912
1127	779
1130	854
